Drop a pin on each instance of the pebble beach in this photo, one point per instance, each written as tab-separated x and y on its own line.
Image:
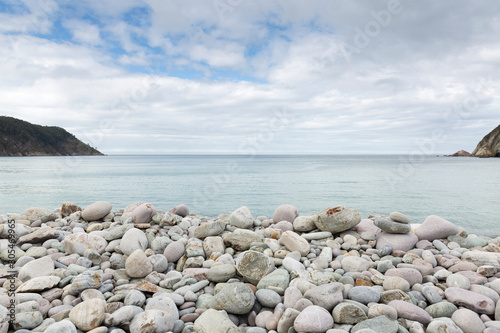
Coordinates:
141	269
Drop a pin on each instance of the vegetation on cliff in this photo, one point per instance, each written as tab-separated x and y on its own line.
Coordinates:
21	138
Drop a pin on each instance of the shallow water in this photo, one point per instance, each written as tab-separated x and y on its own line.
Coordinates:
465	191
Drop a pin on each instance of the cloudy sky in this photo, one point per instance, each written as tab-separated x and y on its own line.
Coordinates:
265	76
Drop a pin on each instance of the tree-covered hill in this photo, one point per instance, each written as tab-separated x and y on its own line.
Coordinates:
21	138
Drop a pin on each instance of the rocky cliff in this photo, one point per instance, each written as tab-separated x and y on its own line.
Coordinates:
21	138
489	146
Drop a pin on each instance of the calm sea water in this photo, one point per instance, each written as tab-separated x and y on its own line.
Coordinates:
465	191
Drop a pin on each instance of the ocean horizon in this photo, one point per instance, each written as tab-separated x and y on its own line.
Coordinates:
462	190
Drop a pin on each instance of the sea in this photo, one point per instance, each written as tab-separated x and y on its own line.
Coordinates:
465	191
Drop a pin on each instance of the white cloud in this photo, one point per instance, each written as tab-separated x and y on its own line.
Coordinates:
415	75
84	32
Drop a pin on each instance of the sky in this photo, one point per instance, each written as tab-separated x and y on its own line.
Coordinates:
255	76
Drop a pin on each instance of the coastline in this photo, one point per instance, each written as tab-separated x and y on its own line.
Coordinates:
96	268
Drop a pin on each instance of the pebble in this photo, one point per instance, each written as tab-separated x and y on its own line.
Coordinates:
435	227
187	273
285	213
337	219
313	319
96	211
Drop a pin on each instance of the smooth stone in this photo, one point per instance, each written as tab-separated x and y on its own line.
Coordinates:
435	227
38	283
39	236
166	304
236	298
304	223
88	314
291	264
86	280
470	300
285	213
254	266
181	210
431	294
316	235
348	313
152	321
241	218
132	240
382	310
278	279
441	309
134	297
209	229
410	311
287	320
337	219
117	232
364	294
294	242
123	315
355	264
327	295
468	321
63	326
313	319
443	325
411	275
241	239
399	217
174	251
221	273
213	321
396	283
391	226
399	242
459	281
38	267
80	242
96	211
143	213
268	298
138	265
27	320
380	324
35	213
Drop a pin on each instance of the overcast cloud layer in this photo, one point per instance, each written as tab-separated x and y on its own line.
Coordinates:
244	76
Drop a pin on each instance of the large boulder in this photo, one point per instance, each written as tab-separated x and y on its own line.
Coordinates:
337	219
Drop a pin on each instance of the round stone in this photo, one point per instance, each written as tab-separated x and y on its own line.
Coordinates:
364	294
236	298
337	219
348	313
268	298
468	321
138	265
132	240
241	218
391	226
313	319
96	211
285	213
88	314
435	227
152	321
399	217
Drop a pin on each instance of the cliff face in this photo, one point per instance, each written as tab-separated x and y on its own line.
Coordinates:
21	138
489	146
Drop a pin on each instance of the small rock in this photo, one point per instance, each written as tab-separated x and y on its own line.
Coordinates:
236	298
285	213
96	211
435	227
241	218
294	242
468	321
313	319
88	314
132	240
337	219
348	313
254	266
412	312
152	321
137	264
212	321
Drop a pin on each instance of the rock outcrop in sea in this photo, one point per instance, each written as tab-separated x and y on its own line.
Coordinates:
142	269
489	146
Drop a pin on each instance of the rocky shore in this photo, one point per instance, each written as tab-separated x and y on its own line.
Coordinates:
140	269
